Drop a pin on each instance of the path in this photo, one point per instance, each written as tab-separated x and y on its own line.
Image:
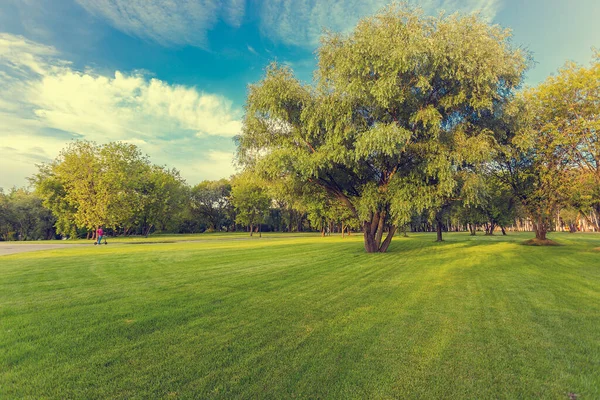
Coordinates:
13	248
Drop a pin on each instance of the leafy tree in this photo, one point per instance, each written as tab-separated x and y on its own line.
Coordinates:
112	185
161	195
570	109
123	172
497	204
287	195
49	187
389	118
210	201
535	163
22	217
250	200
551	144
570	217
78	169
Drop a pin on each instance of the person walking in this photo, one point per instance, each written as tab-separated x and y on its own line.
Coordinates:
100	235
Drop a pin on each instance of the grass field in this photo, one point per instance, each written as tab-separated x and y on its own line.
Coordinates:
304	317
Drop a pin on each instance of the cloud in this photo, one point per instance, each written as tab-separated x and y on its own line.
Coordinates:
252	50
183	22
301	22
44	102
216	165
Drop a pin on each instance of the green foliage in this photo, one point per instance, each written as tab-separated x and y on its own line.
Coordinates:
23	217
250	200
161	195
210	202
395	118
111	185
551	143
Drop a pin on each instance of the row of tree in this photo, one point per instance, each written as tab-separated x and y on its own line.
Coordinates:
247	203
412	123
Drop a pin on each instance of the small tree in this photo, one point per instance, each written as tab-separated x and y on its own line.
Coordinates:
210	201
250	200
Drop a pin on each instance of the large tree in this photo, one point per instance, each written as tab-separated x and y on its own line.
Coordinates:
551	144
389	117
111	185
570	102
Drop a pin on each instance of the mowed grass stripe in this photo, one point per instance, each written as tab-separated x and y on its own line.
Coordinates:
304	316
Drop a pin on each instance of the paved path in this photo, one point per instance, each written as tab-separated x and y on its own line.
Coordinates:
12	248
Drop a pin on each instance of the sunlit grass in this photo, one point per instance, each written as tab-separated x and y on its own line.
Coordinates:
303	316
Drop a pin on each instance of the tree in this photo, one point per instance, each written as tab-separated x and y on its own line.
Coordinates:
288	196
534	162
250	200
112	185
124	172
78	170
161	196
22	217
551	143
497	204
570	103
49	187
210	201
389	117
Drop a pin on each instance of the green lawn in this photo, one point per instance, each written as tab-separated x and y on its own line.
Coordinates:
304	316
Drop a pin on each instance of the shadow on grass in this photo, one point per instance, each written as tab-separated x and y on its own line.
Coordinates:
540	242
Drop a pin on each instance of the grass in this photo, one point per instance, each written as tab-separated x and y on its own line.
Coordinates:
305	316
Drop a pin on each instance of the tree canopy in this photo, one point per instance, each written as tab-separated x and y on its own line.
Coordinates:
111	185
393	119
550	144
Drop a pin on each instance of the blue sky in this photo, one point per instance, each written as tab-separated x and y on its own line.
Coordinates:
171	75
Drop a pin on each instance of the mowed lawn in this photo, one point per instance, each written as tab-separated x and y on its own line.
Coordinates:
306	317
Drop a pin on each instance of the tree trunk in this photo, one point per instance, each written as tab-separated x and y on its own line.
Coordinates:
373	233
473	229
503	230
439	231
147	231
540	229
370	246
572	228
251	230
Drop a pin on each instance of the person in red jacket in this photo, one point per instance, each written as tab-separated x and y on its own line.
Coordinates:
100	234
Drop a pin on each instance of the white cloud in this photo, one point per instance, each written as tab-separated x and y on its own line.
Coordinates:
44	102
182	22
301	22
216	165
252	50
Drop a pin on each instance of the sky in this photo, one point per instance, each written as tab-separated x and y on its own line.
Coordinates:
171	76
